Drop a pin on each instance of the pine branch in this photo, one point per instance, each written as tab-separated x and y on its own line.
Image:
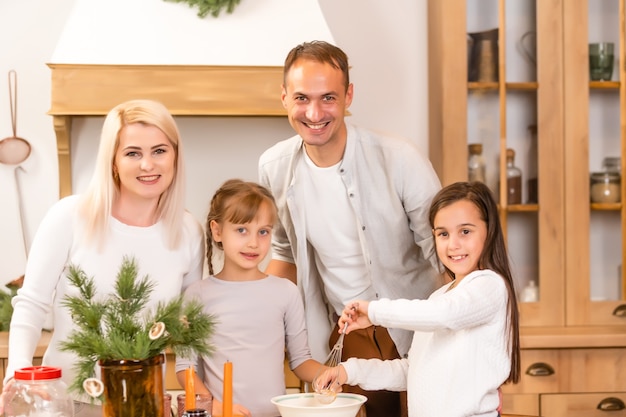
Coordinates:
117	327
6	308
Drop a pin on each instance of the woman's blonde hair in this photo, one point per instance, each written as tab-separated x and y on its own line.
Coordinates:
104	188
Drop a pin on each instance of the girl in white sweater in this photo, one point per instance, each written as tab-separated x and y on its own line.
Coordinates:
466	334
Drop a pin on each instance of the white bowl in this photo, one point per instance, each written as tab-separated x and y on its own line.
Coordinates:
306	405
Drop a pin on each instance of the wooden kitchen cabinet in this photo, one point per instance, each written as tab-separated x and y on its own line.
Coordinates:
571	248
584	405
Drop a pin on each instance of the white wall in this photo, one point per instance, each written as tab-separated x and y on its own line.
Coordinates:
386	43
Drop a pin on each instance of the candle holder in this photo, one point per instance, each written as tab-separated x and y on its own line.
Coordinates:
203	402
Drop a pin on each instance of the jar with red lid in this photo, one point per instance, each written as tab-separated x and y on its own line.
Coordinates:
38	391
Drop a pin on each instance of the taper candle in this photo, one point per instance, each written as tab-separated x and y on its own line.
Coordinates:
227	403
190	389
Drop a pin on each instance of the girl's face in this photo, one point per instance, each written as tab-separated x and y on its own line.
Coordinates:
144	161
460	236
245	245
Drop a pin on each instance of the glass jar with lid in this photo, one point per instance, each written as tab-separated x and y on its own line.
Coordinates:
605	187
38	391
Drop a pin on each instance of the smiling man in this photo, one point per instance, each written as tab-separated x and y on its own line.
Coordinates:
353	213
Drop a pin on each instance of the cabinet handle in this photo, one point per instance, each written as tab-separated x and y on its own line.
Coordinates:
620	311
611	404
540	369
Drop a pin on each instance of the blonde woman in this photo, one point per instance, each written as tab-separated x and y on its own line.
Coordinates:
134	206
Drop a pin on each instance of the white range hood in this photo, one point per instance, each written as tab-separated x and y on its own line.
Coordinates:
145	32
111	51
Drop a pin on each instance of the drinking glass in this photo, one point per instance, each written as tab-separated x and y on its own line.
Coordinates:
601	61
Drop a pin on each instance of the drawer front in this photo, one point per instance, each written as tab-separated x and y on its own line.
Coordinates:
595	370
541	373
583	405
571	370
520	404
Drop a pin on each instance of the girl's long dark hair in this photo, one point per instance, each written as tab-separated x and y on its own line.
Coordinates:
494	255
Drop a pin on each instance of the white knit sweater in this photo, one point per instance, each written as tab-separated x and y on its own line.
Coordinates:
459	355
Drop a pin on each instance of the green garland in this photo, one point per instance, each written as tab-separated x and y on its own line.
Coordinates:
6	308
210	6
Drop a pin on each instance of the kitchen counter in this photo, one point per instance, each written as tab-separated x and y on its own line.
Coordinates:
4	350
41	346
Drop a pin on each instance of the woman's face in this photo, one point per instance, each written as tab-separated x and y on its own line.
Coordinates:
460	235
145	162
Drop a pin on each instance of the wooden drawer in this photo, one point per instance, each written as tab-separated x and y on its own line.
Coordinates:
583	405
594	370
541	373
546	371
521	404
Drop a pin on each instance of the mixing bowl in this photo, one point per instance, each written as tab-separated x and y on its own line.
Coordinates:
306	405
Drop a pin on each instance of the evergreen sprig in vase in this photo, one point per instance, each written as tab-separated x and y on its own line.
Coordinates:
128	342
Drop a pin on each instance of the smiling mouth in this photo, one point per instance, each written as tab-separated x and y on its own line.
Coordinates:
457	257
316	126
149	179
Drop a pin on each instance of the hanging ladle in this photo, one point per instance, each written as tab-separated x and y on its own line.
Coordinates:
13	149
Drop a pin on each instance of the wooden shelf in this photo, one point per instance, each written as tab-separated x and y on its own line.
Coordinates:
523	208
520	86
604	85
606	206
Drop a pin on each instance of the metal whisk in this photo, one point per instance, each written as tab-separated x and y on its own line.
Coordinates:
325	394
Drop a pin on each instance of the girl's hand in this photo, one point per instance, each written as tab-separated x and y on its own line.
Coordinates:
330	379
355	314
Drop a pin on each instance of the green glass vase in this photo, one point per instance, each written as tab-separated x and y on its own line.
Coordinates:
133	388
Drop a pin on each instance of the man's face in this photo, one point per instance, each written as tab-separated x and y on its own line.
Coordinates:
316	101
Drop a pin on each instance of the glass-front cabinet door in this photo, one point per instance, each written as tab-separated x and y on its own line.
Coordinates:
505	94
595	93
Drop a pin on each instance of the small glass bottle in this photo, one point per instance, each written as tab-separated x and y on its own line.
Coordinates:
530	293
38	391
476	163
513	179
